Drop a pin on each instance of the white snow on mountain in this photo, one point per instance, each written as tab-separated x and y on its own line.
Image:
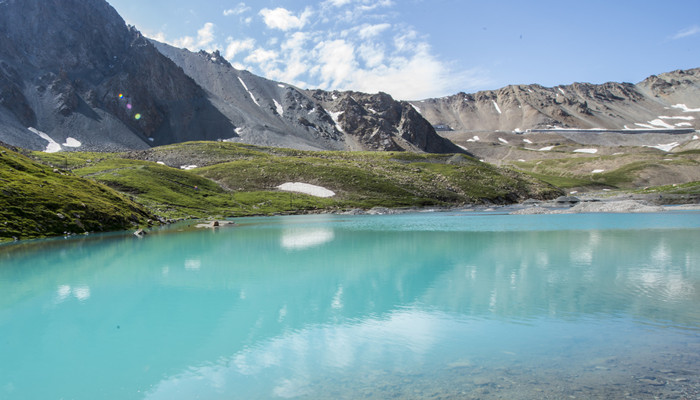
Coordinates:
280	109
497	107
334	116
53	146
72	142
685	108
246	89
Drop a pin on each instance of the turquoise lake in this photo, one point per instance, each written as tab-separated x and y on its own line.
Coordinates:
427	305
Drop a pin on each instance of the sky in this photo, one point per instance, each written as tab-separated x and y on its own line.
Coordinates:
418	49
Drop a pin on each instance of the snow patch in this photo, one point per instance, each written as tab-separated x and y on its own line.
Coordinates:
52	147
548	148
71	142
502	140
238	130
473	139
280	109
682	124
665	147
528	141
675	117
645	126
415	108
695	137
497	107
335	116
281	85
374	111
249	92
661	123
562	91
588	151
306	188
463	148
188	167
685	108
597	171
160	162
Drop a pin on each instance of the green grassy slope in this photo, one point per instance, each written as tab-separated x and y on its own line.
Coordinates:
617	172
40	201
237	180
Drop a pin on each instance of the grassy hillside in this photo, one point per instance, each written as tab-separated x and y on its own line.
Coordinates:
629	171
37	200
238	180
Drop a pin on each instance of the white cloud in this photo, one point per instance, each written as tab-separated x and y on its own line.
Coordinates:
236	46
335	10
238	10
283	19
693	30
367	31
336	61
261	56
365	56
372	54
337	3
205	37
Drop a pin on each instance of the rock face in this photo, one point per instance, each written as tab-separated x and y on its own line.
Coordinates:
277	114
73	69
665	101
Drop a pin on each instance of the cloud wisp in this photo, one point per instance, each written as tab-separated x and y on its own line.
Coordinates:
687	32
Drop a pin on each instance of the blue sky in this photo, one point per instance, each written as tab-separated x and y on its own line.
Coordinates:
415	49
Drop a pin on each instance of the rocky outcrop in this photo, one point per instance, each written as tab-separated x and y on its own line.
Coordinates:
655	103
272	113
82	73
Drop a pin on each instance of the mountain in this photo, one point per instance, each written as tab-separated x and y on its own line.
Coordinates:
667	101
272	113
73	75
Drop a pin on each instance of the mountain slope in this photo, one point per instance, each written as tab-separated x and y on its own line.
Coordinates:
277	114
74	76
73	69
40	201
666	101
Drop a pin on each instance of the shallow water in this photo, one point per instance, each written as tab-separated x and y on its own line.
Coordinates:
434	305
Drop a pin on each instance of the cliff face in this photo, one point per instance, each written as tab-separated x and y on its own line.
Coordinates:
277	114
611	105
73	69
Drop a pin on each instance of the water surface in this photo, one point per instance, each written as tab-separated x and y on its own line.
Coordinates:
435	305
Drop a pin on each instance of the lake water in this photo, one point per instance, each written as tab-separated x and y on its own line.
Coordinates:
427	305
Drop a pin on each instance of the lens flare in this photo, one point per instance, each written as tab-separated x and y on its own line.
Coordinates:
137	116
128	106
121	96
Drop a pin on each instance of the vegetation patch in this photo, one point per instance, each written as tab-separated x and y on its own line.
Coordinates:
37	201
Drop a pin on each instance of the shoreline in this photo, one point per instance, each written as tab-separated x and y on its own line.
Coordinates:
587	203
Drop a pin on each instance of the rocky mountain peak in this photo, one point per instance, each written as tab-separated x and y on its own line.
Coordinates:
74	68
611	105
